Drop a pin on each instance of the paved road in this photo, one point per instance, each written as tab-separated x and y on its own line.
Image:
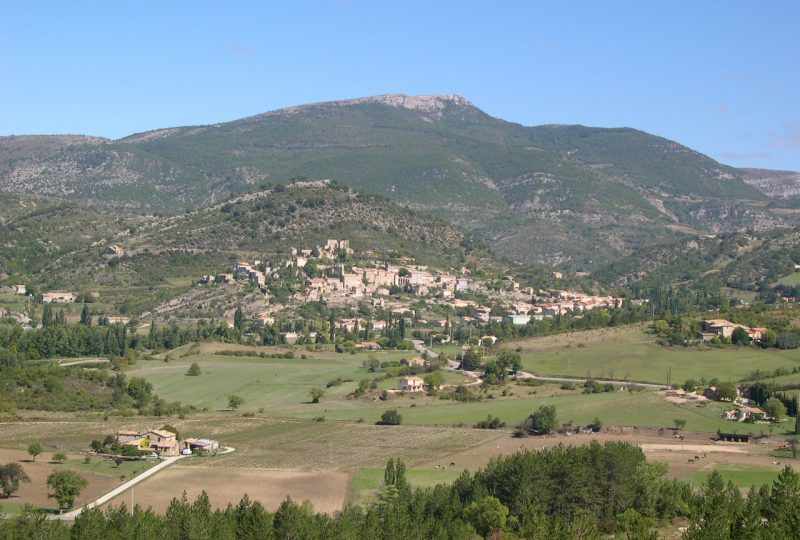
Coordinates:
615	382
166	462
420	346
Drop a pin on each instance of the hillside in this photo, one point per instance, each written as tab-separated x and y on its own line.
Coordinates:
741	263
163	255
549	194
783	185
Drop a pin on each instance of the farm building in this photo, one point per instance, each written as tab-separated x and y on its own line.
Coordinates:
418	362
204	445
411	384
733	437
61	297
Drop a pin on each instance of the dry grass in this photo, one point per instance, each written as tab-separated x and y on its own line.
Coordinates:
35	492
324	489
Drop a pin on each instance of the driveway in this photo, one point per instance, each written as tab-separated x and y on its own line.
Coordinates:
72	514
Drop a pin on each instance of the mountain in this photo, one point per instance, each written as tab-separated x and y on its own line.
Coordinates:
551	194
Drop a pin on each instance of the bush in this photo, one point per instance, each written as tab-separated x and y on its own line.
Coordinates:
391	417
490	423
542	421
194	370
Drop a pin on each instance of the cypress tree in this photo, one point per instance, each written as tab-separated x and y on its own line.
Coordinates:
86	317
47	315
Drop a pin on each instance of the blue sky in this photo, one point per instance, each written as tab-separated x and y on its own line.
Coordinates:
721	77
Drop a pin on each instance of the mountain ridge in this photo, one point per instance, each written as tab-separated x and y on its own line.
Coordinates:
543	193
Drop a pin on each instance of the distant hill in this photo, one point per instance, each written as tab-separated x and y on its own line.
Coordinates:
55	245
569	196
737	262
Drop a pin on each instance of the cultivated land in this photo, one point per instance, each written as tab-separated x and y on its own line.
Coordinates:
326	490
332	452
630	353
280	387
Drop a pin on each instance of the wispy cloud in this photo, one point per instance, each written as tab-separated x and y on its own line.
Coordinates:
239	48
723	109
788	139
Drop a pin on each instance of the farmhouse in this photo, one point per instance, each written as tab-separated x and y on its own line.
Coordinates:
20	289
60	297
154	440
411	384
724	328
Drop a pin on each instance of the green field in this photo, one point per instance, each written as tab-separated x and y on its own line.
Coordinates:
649	362
367	482
280	387
741	476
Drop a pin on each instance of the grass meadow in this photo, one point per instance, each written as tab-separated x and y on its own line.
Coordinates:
631	354
280	387
742	476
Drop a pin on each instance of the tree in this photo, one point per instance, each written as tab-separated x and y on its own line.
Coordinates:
86	317
238	318
740	336
726	391
510	360
434	380
680	423
66	485
787	340
543	420
775	409
234	402
35	449
486	515
194	370
316	394
59	457
11	476
470	361
47	315
391	417
661	326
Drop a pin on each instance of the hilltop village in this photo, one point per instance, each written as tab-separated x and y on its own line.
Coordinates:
336	275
